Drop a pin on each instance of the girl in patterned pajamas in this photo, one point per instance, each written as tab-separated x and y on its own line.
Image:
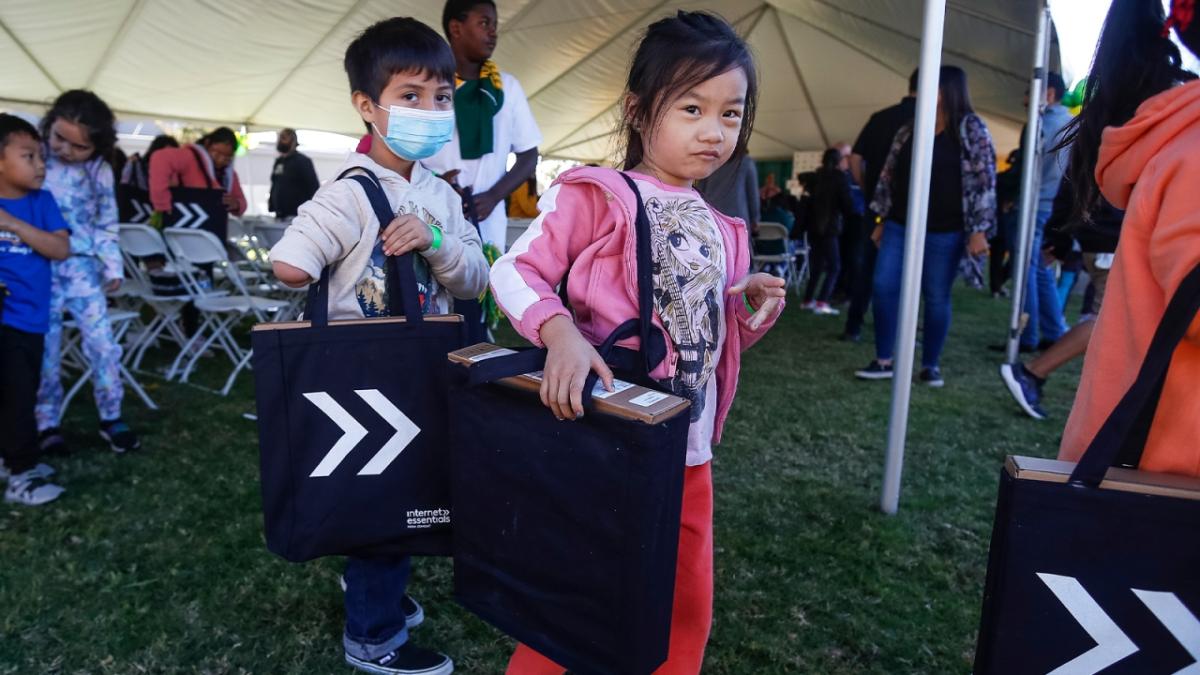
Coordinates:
80	133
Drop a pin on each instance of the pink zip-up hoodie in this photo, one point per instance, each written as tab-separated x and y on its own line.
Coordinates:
586	226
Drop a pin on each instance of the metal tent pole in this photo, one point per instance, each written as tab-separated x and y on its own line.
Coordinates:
1030	178
914	248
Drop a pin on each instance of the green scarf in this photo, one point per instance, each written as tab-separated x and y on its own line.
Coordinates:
476	102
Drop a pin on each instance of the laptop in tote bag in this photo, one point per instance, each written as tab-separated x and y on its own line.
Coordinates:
567	532
1096	569
352	423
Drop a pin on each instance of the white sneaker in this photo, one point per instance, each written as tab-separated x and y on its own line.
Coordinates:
31	489
823	308
811	305
43	470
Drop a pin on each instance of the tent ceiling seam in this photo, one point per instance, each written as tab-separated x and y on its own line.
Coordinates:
787	45
115	43
300	64
762	11
769	137
525	10
29	55
583	59
597	137
581	127
890	29
974	13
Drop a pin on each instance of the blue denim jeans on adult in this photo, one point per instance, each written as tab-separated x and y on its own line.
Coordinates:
374	614
1041	294
943	250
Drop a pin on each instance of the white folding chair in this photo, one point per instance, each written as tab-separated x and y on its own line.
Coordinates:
221	312
139	242
773	237
73	357
267	233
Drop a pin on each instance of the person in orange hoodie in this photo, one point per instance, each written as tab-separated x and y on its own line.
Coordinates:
205	164
1147	162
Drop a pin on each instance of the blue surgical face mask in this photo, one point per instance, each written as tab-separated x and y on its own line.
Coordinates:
414	134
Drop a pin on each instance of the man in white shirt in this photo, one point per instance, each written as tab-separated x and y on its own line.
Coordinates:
477	157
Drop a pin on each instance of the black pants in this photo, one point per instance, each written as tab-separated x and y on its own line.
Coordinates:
823	258
851	252
861	288
20	373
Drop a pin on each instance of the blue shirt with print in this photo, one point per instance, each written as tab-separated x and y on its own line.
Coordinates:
25	271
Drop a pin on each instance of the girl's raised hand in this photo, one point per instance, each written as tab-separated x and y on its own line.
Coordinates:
568	361
764	291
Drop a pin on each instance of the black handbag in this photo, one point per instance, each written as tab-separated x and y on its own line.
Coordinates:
1094	567
567	532
352	423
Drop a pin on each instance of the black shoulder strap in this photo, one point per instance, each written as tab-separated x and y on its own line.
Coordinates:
653	346
1122	437
401	280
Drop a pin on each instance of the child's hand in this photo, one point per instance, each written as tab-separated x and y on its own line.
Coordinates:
8	223
568	363
406	233
764	291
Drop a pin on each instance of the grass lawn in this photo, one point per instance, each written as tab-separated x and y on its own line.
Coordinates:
155	563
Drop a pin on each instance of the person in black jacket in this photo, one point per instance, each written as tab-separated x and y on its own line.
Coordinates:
831	205
293	178
1097	237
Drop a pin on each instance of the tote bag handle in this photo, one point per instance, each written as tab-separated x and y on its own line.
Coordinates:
400	280
1122	438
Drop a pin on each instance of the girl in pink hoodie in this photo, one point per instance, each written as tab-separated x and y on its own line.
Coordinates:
688	108
1147	162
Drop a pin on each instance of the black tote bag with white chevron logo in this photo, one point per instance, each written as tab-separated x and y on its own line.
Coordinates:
1095	567
352	423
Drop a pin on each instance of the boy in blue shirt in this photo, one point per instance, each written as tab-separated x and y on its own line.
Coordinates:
32	233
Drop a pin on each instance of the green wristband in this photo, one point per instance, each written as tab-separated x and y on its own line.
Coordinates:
749	307
437	239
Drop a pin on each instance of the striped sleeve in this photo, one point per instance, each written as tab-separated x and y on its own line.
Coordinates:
525	279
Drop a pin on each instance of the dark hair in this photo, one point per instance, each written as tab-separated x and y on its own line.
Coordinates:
1133	62
11	125
394	46
87	110
830	159
160	141
913	79
457	10
674	55
956	100
220	135
1055	81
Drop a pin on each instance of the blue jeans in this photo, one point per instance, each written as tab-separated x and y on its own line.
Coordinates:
1041	295
943	250
374	616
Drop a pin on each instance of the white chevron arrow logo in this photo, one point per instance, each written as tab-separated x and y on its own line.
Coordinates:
1183	625
141	211
201	215
406	431
354	432
185	216
1112	644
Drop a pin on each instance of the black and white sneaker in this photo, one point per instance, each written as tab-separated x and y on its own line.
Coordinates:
1025	387
414	614
43	470
119	436
31	489
875	371
407	660
931	377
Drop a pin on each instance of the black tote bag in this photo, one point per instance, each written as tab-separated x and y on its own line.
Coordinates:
1097	569
352	423
567	532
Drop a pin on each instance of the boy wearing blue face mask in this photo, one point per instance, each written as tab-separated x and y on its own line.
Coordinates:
402	77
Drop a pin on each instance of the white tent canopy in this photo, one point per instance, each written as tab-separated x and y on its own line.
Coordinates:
825	65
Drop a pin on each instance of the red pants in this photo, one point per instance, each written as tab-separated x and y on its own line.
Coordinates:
691	615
